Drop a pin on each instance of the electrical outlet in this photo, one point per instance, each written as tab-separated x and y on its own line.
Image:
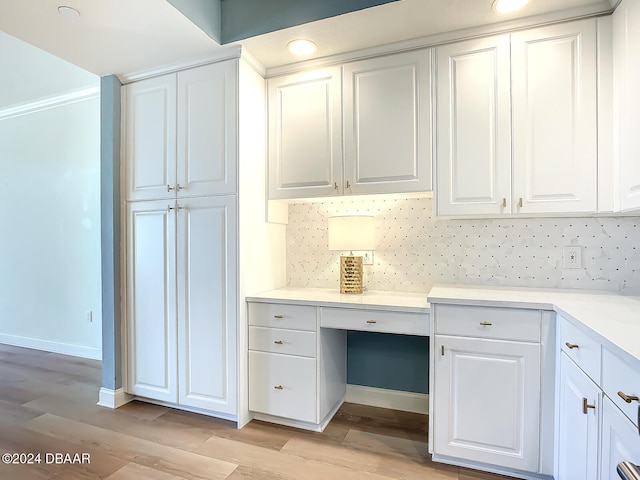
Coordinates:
572	257
367	256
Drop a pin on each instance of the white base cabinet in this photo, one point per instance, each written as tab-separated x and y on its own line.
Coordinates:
486	386
596	428
297	371
579	405
620	441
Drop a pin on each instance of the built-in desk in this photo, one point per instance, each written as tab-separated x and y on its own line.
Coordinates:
298	348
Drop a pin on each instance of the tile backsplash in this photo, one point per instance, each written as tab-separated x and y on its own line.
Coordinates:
415	250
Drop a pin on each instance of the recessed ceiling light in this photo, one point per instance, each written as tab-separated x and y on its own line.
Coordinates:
68	11
506	6
302	47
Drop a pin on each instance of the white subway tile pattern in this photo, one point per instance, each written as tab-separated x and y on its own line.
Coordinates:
415	250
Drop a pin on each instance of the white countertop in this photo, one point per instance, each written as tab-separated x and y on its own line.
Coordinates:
615	318
396	301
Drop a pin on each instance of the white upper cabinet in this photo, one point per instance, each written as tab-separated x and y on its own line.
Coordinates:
553	82
375	112
626	39
181	132
387	124
474	127
207	130
305	134
150	137
517	123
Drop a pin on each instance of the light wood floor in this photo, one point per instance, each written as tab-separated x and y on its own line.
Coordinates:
48	405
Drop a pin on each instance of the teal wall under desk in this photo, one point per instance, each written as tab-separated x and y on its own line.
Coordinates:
385	360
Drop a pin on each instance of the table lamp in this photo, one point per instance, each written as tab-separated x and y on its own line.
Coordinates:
351	233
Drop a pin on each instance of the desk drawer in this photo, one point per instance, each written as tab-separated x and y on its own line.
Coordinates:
278	340
375	321
282	385
293	317
580	348
488	322
621	375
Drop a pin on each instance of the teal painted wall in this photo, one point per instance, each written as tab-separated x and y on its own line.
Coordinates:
110	230
247	18
394	362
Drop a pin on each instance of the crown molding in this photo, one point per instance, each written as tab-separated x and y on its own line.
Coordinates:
588	11
49	102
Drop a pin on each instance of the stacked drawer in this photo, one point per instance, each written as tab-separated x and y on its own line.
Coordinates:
615	378
282	361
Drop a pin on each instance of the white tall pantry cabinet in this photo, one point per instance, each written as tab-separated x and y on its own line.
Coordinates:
184	227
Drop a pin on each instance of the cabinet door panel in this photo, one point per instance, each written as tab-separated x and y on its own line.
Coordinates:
305	135
207	125
620	441
387	123
473	159
487	405
554	118
626	39
151	301
577	431
151	137
207	303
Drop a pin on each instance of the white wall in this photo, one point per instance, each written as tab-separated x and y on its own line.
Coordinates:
50	215
416	250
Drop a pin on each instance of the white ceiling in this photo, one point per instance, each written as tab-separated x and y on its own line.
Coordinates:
127	36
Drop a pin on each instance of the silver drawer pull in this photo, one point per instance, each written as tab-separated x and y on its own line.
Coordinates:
486	324
278	387
278	342
371	321
571	346
628	398
278	316
586	406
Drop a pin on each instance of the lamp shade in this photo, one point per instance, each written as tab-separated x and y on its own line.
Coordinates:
351	233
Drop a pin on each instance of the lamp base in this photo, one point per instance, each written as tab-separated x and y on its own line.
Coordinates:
350	274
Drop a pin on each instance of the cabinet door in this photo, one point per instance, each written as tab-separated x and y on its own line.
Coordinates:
487	401
207	130
626	38
150	138
473	157
305	134
554	118
577	430
620	441
207	299
151	300
387	124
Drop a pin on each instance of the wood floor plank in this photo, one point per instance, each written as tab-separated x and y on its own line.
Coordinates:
290	467
140	422
374	462
388	445
151	454
20	440
134	471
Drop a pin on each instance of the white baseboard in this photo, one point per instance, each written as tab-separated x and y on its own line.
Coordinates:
113	398
393	399
49	346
